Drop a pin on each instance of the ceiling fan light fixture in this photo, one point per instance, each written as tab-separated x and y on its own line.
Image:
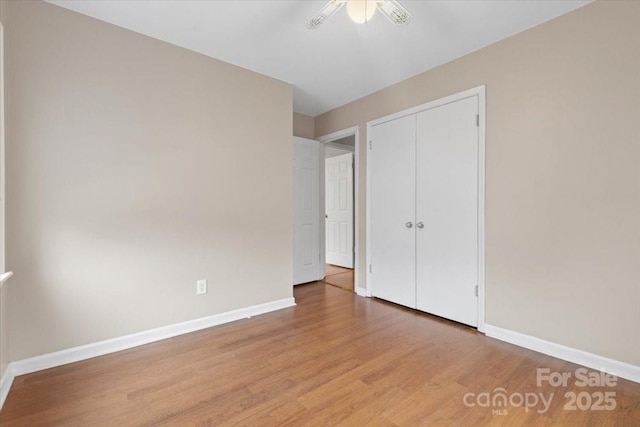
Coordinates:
361	11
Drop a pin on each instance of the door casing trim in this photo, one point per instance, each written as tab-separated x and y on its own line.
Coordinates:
355	131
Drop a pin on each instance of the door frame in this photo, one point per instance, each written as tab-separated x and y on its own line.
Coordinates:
480	92
352	131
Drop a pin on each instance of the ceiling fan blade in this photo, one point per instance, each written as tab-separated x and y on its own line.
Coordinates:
394	12
325	13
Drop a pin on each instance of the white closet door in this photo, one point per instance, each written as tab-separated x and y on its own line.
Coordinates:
339	210
392	203
447	211
306	211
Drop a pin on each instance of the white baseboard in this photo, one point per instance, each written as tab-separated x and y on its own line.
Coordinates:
361	291
75	354
5	384
580	357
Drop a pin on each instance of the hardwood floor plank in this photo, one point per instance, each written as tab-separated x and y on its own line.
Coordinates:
335	359
330	269
339	276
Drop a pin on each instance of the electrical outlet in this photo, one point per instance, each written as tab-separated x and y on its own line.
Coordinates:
201	286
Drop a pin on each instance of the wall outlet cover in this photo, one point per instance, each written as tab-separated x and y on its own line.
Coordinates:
201	286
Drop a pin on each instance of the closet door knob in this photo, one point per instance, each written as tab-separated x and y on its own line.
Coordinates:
409	224
420	225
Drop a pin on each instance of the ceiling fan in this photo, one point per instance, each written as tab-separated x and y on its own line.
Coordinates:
361	11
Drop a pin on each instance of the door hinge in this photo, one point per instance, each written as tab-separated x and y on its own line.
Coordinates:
370	145
370	270
476	291
478	120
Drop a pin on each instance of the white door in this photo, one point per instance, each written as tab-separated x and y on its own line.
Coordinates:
306	211
447	211
392	203
339	210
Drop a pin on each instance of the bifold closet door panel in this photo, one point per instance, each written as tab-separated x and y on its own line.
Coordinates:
447	211
392	216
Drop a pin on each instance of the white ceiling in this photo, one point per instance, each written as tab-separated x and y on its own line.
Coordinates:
338	62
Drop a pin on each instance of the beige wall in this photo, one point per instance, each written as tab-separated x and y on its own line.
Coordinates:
134	168
562	174
303	126
4	291
4	330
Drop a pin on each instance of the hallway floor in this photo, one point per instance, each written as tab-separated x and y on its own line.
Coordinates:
339	276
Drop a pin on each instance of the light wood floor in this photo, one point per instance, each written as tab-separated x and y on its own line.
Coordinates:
339	276
333	360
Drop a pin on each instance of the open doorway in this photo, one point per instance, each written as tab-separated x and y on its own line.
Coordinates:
338	199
